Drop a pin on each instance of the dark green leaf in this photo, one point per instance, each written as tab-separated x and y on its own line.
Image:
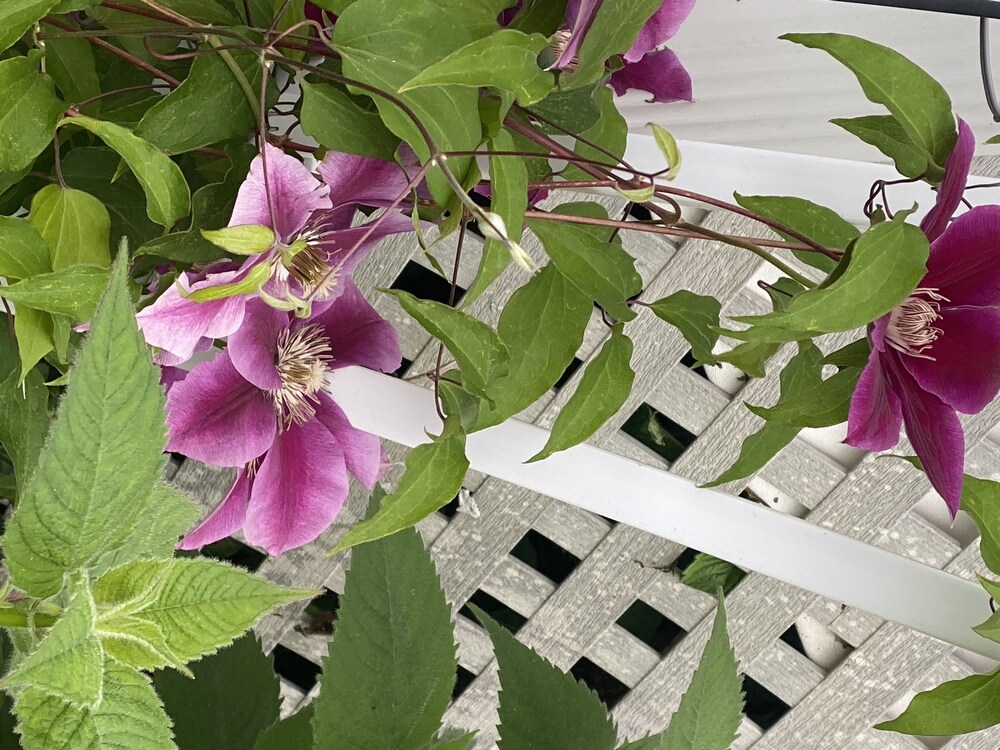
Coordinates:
182	247
24	419
855	354
576	110
614	29
75	225
955	707
73	291
695	316
600	393
70	62
23	252
452	739
30	111
540	705
338	122
709	574
540	16
885	133
293	733
610	132
17	16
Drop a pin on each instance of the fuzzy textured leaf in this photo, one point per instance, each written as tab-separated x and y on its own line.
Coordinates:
30	109
75	225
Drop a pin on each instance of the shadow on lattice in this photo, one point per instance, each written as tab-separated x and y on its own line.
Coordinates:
548	558
658	432
320	615
233	551
608	688
651	627
423	282
762	707
297	669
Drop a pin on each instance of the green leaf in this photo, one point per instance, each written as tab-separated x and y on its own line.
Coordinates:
103	454
614	29
668	147
981	500
575	110
34	337
209	106
17	16
475	346
712	708
954	707
919	103
820	404
68	663
130	715
885	133
855	354
602	390
23	252
507	59
696	316
70	62
452	739
31	109
198	604
73	291
433	476
394	627
231	701
610	132
75	225
709	574
24	419
883	268
338	122
540	17
289	734
245	239
167	196
540	705
509	191
818	223
601	269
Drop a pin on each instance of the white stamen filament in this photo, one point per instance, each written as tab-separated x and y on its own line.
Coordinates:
560	41
303	360
911	328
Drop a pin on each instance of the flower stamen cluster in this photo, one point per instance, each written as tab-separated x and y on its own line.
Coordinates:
911	328
303	360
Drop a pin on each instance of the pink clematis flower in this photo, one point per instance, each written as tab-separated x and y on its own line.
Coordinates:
259	406
938	351
316	247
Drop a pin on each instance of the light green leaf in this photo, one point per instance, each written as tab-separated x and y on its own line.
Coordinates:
34	337
696	316
712	708
104	454
231	701
885	133
75	225
23	252
614	29
70	62
855	354
884	266
253	281
167	195
475	346
981	500
668	147
954	707
433	476
338	122
507	59
540	705
198	604
601	269
509	191
246	239
73	291
824	404
17	16
919	103
709	574
130	715
292	733
138	644
30	109
602	390
69	662
393	626
24	419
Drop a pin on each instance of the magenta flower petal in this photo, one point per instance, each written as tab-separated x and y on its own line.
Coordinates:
964	264
660	74
299	489
295	194
253	349
216	416
956	174
660	27
579	16
337	248
362	450
361	180
226	519
358	334
965	371
875	416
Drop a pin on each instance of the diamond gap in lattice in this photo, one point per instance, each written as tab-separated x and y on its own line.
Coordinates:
297	669
660	434
423	282
463	679
791	637
568	373
403	368
608	688
545	556
320	616
651	627
763	707
689	362
496	609
236	552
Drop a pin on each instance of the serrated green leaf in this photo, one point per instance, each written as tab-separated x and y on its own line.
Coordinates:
433	476
885	265
104	454
614	29
709	574
393	626
198	604
885	133
73	291
70	62
696	316
130	715
855	354
338	122
506	59
246	239
138	644
452	739
231	701
475	346
919	103
294	732
23	252
31	109
17	16
69	662
954	707
602	390
75	225
712	708
540	705
167	195
668	147
601	269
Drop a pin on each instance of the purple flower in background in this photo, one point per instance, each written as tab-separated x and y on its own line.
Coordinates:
938	351
259	406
